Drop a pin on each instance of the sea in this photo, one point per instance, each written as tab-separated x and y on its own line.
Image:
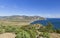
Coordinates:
54	21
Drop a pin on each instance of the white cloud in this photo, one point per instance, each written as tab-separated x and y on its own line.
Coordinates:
53	16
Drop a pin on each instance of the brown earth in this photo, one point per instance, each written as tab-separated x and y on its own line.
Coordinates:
7	35
54	35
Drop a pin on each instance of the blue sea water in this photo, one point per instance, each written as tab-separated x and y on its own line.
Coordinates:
54	21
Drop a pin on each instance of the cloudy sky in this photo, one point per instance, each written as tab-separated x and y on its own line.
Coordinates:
44	8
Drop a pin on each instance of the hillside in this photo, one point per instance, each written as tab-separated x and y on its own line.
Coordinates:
17	32
21	18
17	19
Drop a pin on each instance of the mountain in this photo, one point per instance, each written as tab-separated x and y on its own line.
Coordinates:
21	18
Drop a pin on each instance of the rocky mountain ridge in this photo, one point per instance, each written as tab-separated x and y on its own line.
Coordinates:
21	18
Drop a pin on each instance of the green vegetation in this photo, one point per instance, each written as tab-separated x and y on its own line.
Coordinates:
57	31
21	32
48	28
29	31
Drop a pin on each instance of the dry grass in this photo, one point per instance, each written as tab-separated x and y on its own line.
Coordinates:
14	23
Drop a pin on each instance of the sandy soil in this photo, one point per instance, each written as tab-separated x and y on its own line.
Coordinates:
7	35
54	35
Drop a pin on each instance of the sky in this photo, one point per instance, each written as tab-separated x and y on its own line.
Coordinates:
43	8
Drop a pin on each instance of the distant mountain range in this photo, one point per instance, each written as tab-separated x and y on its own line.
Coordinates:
21	18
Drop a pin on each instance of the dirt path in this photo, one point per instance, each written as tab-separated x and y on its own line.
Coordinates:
54	35
7	35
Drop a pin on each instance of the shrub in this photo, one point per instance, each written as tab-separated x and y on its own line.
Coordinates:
23	34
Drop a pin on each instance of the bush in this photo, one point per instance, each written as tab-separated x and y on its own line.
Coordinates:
48	28
23	34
